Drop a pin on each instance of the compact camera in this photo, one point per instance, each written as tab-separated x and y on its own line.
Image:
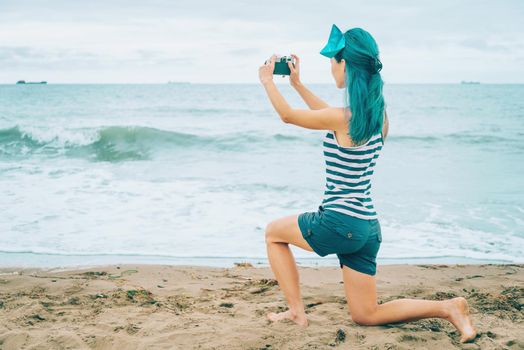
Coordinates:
281	67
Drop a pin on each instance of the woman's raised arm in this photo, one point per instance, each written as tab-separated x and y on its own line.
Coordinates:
313	101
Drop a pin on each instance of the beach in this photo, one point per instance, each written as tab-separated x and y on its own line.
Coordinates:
196	307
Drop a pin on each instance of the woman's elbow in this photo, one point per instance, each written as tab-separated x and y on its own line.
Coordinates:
286	116
285	119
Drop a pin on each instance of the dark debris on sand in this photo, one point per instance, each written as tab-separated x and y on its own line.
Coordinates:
506	304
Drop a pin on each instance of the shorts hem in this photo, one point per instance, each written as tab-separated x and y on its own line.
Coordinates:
357	269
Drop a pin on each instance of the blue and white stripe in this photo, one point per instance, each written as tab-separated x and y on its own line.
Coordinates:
348	176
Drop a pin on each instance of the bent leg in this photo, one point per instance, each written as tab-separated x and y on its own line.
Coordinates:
279	234
361	294
286	230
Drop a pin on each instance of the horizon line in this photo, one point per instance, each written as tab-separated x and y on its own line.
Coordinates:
246	83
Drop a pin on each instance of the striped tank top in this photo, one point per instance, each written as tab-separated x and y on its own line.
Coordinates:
348	176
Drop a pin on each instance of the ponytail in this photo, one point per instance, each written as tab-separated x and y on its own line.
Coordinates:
363	93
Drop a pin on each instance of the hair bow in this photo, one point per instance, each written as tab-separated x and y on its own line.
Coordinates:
336	42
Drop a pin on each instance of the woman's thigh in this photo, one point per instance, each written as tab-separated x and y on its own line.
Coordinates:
361	293
286	230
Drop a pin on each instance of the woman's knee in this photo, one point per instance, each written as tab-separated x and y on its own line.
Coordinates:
275	231
271	230
363	319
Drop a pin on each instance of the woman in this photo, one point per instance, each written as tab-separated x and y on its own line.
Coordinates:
345	223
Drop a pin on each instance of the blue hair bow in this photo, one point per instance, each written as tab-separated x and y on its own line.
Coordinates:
336	42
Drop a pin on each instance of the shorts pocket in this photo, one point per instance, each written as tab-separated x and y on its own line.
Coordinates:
349	232
349	242
352	229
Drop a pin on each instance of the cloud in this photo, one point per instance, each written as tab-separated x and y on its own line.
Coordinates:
138	41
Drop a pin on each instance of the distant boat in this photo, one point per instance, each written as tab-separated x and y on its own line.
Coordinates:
469	82
31	82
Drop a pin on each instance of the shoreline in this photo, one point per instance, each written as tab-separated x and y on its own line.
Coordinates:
47	260
139	306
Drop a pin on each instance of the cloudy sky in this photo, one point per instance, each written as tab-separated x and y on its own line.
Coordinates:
206	41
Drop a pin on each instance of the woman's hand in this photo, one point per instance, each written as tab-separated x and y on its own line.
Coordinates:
265	72
294	76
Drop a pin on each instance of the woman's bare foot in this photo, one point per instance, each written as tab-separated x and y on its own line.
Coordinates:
459	316
298	318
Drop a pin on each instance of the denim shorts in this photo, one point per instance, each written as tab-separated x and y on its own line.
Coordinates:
355	241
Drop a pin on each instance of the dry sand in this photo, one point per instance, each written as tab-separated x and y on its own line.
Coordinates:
186	307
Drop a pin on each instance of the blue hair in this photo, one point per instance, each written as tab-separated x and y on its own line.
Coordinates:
363	84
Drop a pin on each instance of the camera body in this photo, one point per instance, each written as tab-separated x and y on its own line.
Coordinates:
281	67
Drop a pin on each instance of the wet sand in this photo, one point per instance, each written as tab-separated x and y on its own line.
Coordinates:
188	307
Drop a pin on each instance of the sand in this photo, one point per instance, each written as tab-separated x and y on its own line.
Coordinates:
188	307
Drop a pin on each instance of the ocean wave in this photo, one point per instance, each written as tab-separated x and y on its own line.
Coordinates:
460	138
127	143
122	143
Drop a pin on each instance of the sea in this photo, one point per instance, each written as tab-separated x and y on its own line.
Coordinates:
191	174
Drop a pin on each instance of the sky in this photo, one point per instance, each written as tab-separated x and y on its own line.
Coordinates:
206	41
